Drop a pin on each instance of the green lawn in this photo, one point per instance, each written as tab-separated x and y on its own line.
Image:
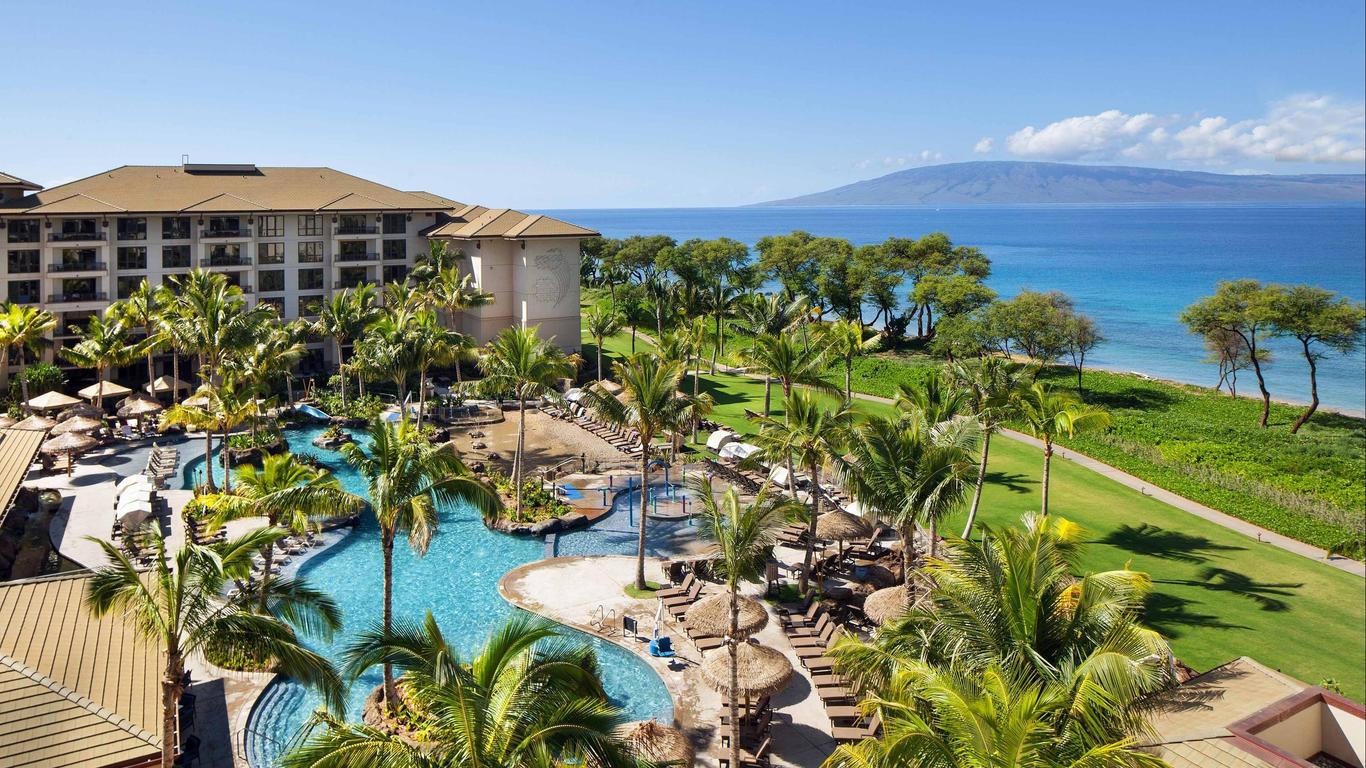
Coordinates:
1217	594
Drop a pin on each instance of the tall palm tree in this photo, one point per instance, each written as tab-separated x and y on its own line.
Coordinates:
601	322
784	358
768	314
530	367
175	331
811	435
1049	414
103	344
212	408
527	700
991	387
740	538
289	494
844	340
456	293
343	318
218	320
139	310
408	480
650	405
697	334
24	328
722	301
180	607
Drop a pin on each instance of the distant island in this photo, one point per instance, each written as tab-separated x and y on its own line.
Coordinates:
1006	182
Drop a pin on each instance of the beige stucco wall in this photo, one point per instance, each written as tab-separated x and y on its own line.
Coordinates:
534	282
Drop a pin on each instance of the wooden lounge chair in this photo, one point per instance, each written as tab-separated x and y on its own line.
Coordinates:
803	615
815	630
824	639
688	598
678	591
756	759
857	733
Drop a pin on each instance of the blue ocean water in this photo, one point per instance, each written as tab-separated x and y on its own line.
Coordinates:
1133	268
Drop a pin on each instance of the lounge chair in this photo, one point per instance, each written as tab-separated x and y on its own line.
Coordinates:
857	733
679	591
688	598
804	611
756	759
826	637
800	632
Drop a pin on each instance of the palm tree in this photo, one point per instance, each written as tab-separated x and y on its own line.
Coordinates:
456	293
212	408
768	314
991	388
217	320
601	321
721	300
25	328
697	334
783	358
844	340
811	435
289	494
1050	414
650	405
103	344
408	480
740	538
344	317
907	472
520	361
174	329
139	310
528	700
180	607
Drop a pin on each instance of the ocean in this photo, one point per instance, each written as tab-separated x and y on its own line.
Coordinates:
1133	268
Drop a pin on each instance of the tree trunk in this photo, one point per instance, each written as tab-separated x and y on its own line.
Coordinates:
341	372
23	369
421	396
733	647
1313	390
170	702
1261	385
390	690
644	508
848	380
227	461
809	557
633	338
908	560
981	481
208	460
151	373
175	374
768	393
716	347
696	374
1047	461
599	350
267	557
517	456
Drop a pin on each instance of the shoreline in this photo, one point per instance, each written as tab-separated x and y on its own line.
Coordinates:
1243	394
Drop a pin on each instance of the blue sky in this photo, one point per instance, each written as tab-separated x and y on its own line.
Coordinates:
540	105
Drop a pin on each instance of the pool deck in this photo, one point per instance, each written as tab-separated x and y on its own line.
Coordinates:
801	735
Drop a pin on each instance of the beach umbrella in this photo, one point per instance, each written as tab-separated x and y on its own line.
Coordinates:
83	409
841	526
77	424
51	401
657	744
36	423
134	518
136	407
7	421
197	401
103	389
163	384
886	604
762	671
68	445
711	616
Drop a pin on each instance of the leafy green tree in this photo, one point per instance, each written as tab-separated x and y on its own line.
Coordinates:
408	481
1033	324
1082	336
602	322
527	700
180	606
1246	309
1049	414
1323	322
840	282
23	328
217	320
952	295
787	259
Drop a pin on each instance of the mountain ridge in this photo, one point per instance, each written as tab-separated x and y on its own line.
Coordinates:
1026	182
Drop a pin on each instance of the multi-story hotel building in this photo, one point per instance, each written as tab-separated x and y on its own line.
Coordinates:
288	236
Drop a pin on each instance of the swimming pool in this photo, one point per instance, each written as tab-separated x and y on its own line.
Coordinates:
457	581
617	532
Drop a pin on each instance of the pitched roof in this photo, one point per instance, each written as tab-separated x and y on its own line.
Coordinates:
478	222
18	448
172	188
10	180
74	690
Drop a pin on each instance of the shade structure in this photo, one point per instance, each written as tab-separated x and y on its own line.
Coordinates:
7	421
763	671
71	442
720	439
739	450
656	743
82	409
51	401
77	424
37	423
137	407
164	384
103	389
134	518
841	526
780	476
886	604
131	484
711	616
197	401
573	395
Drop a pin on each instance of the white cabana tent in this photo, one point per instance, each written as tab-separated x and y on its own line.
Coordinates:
573	395
779	475
164	384
720	439
131	484
739	451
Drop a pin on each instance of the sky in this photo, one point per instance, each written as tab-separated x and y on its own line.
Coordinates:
658	104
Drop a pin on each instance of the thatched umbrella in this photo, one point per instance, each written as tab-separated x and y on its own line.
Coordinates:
711	616
51	401
68	445
103	389
77	424
763	671
655	743
841	526
886	604
84	409
139	407
36	423
164	384
7	421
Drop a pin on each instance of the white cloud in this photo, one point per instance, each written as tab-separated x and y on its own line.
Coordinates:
984	145
901	161
1301	129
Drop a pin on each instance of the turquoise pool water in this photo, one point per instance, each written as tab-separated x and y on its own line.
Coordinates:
456	580
618	532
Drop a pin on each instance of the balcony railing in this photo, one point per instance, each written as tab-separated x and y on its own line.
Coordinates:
357	229
75	237
60	298
354	256
247	289
343	284
224	234
225	261
77	266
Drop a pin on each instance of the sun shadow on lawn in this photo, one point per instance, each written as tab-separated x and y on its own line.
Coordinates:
1266	596
1156	541
1170	614
1014	482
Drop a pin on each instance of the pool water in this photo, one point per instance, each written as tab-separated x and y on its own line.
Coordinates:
617	532
456	580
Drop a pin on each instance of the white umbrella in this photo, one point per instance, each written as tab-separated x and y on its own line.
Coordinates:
739	451
104	389
165	384
51	401
779	475
130	482
720	439
573	395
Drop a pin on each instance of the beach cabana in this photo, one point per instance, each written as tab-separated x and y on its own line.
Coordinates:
103	389
50	401
780	476
77	424
711	616
738	451
133	517
82	409
657	744
763	671
720	439
131	482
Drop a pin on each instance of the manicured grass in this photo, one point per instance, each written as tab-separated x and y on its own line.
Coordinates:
1216	594
648	593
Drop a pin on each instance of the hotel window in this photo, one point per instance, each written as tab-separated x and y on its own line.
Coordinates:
76	259
396	273
175	228
132	258
22	262
227	255
24	231
308	305
175	256
227	226
395	249
272	226
126	285
310	226
311	252
271	280
270	253
276	304
79	289
352	250
24	291
395	224
78	229
310	279
133	229
353	224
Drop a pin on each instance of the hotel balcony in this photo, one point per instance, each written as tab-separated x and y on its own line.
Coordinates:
356	257
66	267
343	284
241	233
225	261
77	298
355	230
76	238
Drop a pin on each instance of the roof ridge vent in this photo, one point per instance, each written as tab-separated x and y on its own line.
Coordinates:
231	168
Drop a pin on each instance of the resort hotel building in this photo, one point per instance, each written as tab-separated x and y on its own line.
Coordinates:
289	237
